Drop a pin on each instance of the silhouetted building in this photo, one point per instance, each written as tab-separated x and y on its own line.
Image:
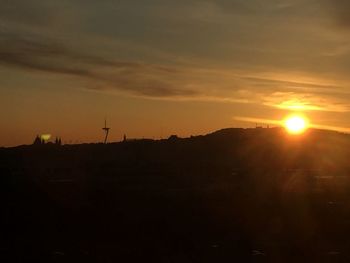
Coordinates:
37	140
173	137
58	141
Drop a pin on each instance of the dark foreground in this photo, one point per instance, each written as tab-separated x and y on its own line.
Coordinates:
236	195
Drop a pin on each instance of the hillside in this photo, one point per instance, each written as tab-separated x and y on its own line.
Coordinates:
246	195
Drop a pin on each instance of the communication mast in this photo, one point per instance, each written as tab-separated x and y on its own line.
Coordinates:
106	130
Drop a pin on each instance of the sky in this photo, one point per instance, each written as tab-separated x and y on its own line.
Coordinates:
159	67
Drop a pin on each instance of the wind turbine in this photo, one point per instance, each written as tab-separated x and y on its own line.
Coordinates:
106	130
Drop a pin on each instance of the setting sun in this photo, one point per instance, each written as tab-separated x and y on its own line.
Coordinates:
296	124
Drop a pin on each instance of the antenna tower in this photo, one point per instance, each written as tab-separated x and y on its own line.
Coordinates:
106	130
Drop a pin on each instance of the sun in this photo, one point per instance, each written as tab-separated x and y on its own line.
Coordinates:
296	124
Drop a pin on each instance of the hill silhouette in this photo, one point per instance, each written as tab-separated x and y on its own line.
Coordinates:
244	195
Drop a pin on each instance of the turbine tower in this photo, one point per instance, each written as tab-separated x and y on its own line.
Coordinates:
106	130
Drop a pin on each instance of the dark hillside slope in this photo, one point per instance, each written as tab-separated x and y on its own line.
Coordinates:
241	195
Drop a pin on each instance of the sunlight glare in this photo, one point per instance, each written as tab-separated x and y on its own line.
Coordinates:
296	124
45	137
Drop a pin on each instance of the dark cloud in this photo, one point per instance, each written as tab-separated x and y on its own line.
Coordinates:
39	54
275	84
32	13
44	55
341	10
252	35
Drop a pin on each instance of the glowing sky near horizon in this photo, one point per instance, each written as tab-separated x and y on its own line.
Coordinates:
160	67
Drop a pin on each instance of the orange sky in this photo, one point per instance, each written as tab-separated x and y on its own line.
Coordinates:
169	67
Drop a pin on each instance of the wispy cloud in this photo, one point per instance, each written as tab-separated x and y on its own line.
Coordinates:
279	123
340	9
195	82
240	32
258	120
45	55
305	102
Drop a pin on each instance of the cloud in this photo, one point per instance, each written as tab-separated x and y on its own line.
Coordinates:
305	102
258	120
208	42
299	95
341	11
273	122
32	12
43	56
40	54
195	82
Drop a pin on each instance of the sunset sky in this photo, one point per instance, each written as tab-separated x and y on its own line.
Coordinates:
159	67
